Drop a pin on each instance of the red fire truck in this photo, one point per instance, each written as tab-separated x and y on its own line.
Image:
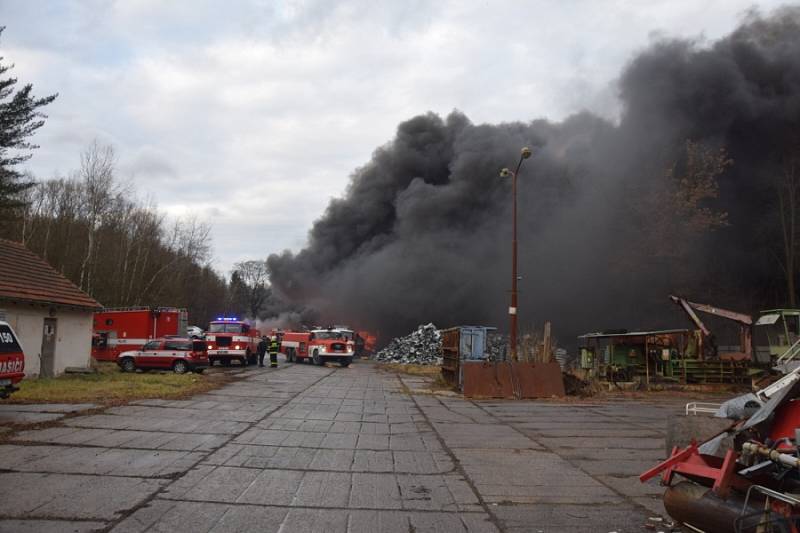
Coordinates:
319	345
295	345
12	361
230	339
118	330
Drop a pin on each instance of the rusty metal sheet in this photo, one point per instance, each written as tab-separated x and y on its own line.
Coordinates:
451	362
487	380
539	380
511	380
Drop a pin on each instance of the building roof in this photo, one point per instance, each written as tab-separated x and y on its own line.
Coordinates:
601	335
25	277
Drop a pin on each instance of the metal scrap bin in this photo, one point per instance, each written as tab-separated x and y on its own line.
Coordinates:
467	343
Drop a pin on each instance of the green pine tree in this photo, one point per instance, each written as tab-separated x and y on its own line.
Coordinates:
19	119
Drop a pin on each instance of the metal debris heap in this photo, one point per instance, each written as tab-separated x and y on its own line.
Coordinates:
497	347
421	347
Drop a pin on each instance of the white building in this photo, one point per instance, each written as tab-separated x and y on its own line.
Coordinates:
51	316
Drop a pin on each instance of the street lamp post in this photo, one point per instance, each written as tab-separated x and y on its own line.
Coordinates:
512	310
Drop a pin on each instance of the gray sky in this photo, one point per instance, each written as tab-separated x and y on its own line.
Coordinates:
252	114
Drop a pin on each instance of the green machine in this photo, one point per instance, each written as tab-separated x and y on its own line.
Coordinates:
782	327
621	355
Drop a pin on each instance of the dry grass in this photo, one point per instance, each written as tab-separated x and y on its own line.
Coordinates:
414	370
432	372
109	386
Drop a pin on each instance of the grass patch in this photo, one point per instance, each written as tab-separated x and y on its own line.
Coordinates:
109	386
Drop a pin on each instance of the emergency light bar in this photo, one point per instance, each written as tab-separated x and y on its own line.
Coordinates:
227	319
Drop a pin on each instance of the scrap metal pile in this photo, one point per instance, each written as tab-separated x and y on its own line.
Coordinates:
421	347
497	346
746	478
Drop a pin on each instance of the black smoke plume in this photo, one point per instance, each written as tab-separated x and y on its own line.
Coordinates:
606	228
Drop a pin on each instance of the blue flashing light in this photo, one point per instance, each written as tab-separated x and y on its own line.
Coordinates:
227	319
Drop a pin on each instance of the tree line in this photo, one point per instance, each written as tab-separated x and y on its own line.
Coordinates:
90	227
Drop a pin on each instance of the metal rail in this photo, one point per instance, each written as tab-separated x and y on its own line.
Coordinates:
766	518
789	355
694	408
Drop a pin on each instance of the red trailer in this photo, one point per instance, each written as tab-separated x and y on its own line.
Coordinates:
118	330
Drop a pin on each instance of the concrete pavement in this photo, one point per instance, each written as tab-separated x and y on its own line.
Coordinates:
306	448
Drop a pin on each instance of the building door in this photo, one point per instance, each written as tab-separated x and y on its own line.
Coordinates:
48	358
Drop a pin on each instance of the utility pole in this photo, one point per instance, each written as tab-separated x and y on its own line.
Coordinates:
512	310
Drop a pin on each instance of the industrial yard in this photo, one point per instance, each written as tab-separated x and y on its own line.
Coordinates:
339	449
303	266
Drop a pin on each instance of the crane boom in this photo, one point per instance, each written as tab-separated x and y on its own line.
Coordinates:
745	321
687	308
724	313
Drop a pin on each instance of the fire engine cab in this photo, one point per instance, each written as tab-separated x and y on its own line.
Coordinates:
230	339
331	345
319	345
12	361
119	330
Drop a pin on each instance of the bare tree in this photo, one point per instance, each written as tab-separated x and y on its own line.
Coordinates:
676	209
696	184
189	242
255	277
97	176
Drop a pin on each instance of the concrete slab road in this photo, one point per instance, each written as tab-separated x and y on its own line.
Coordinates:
305	448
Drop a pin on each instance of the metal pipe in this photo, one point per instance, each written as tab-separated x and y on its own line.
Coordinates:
702	509
773	455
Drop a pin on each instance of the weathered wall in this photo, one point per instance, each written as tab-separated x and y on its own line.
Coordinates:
73	335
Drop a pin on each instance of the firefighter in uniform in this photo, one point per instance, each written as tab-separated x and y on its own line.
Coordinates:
273	351
262	350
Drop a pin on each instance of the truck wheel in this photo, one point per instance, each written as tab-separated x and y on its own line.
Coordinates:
317	359
345	361
251	359
245	360
128	365
180	367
